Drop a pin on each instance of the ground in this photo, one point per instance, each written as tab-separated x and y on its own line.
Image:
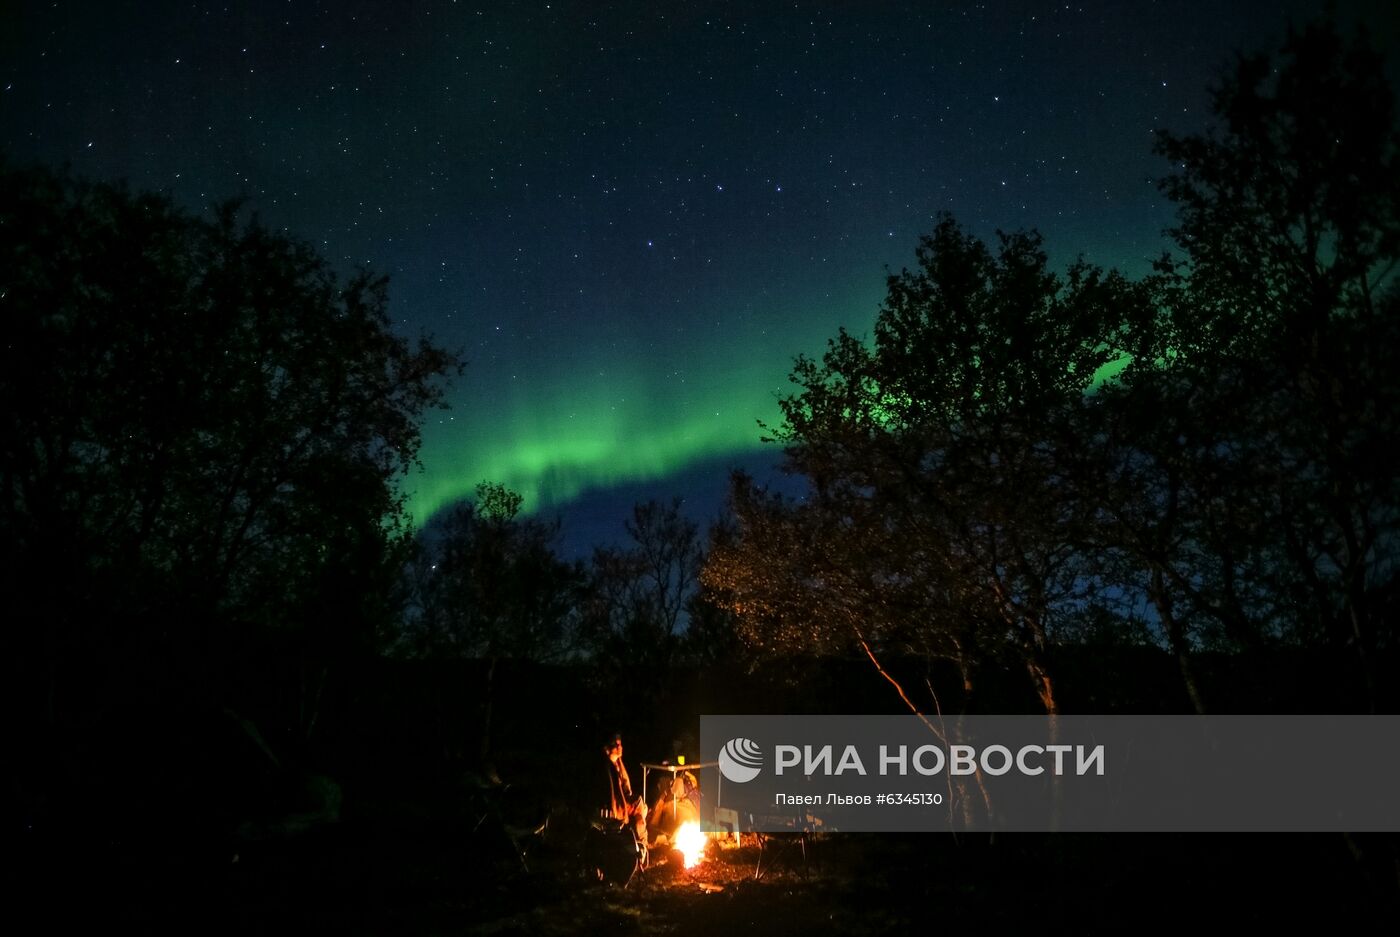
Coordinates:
361	878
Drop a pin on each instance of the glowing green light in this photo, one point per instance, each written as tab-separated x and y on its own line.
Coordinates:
613	418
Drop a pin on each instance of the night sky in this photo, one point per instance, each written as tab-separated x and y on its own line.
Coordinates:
630	219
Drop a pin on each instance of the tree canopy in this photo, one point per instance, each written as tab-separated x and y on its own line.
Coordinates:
488	584
204	429
979	492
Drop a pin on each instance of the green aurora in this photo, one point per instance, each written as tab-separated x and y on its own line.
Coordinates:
602	420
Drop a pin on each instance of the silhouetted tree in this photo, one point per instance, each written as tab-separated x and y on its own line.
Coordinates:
1248	484
974	493
939	520
203	428
711	635
487	585
638	595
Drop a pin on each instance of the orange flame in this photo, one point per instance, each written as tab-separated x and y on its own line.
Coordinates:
691	842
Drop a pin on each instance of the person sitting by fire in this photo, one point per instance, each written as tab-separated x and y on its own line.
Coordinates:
622	805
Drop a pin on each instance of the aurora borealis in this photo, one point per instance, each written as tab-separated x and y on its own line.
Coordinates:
625	419
629	220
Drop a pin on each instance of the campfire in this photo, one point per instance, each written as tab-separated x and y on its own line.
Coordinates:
691	843
675	813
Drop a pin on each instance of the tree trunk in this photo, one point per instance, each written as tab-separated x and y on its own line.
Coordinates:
1176	638
1044	685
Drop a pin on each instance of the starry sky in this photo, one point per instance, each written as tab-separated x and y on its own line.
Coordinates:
630	217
